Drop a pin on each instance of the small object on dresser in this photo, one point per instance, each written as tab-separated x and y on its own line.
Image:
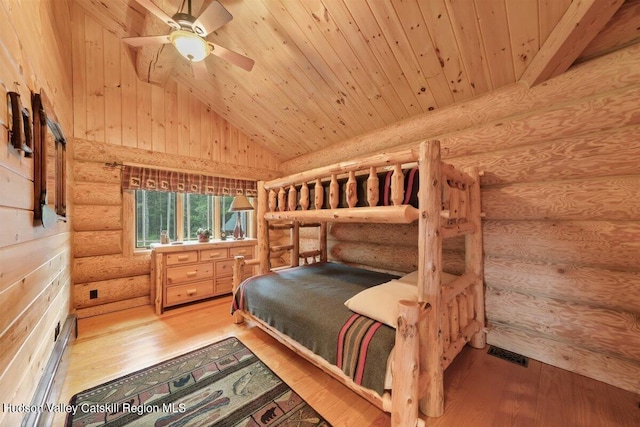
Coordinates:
203	234
164	238
223	235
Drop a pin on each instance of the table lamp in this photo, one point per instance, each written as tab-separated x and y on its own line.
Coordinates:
239	204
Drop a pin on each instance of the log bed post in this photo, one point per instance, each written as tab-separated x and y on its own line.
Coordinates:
295	243
473	256
406	367
322	236
323	241
429	267
263	229
238	267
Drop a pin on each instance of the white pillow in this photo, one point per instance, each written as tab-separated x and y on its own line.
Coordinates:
412	278
381	302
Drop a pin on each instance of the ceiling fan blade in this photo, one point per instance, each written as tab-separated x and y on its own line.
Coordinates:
199	70
151	7
147	40
232	57
212	18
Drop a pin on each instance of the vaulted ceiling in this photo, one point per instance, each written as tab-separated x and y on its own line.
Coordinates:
329	70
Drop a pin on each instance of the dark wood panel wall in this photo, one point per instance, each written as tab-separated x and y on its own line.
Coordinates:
562	226
118	118
35	263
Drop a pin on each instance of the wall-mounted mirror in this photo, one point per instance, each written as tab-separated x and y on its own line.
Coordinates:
50	152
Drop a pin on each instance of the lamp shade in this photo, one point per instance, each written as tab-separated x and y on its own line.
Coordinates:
190	45
240	203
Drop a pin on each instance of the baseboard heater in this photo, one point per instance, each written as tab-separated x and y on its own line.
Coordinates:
50	383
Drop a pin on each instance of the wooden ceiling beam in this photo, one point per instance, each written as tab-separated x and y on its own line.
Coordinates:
154	64
622	30
580	24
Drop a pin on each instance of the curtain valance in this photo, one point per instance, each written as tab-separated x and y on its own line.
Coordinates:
141	178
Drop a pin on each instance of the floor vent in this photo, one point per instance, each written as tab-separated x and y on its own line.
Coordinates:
509	356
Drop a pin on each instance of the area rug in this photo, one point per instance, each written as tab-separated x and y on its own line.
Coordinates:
223	384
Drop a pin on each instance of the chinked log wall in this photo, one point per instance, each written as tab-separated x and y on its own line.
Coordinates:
118	118
562	227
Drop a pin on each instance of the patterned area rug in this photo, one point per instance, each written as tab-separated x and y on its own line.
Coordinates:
223	384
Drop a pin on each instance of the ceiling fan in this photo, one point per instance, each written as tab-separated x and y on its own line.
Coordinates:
189	34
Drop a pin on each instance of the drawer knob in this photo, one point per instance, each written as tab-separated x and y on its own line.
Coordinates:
192	273
183	257
191	292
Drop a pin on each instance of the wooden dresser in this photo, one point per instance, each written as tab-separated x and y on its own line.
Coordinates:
193	271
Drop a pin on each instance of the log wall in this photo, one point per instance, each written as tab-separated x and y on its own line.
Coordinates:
562	226
118	118
35	263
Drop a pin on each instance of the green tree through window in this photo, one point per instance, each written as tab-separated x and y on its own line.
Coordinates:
181	215
155	211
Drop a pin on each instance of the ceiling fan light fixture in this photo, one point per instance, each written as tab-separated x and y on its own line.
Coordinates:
193	47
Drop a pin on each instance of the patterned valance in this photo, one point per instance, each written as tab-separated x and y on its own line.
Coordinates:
139	178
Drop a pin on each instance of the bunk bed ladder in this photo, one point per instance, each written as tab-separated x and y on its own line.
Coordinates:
293	244
296	257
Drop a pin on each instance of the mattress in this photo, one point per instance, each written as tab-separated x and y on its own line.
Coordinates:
307	304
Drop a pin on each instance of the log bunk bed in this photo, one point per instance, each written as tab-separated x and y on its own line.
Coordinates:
429	332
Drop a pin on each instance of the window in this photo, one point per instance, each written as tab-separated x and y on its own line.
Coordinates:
182	214
50	164
155	211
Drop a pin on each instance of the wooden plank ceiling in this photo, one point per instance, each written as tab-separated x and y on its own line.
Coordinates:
329	70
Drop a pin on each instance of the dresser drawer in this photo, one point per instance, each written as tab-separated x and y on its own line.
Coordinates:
188	292
224	268
213	254
189	273
246	251
182	257
223	285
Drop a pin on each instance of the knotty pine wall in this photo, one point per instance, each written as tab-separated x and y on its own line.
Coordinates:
118	118
562	226
35	263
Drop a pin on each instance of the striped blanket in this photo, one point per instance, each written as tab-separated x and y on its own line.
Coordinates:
353	342
307	304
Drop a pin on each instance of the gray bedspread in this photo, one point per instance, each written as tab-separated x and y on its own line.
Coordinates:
307	304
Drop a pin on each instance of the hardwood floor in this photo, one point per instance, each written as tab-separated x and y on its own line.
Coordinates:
480	389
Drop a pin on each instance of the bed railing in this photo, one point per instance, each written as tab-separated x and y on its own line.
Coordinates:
283	199
289	197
